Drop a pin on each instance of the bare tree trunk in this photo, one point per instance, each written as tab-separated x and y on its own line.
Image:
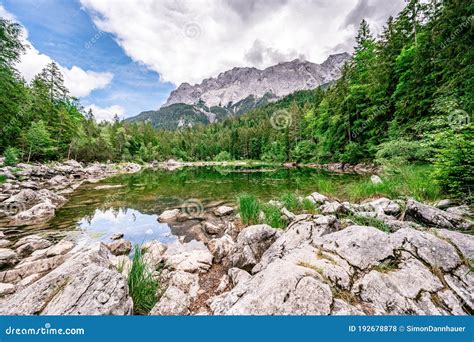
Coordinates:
29	154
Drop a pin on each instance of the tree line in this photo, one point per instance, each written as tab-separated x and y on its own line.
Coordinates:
406	96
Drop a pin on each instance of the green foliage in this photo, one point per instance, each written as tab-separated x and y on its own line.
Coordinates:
249	209
308	206
273	216
454	167
11	156
369	221
403	151
223	156
142	286
291	202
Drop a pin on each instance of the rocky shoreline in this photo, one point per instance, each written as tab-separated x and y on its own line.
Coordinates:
321	264
31	193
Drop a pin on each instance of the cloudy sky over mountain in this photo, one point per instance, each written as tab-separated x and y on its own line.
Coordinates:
126	56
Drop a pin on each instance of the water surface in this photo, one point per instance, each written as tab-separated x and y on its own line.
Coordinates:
133	202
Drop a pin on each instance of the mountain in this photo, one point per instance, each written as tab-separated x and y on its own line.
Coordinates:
239	90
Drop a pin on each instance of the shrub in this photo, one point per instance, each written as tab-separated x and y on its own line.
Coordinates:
273	216
223	156
454	165
11	156
249	209
143	288
403	151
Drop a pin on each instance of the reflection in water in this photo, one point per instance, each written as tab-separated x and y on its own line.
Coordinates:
136	227
131	202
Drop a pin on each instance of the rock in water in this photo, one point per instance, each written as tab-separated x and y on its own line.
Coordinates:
169	215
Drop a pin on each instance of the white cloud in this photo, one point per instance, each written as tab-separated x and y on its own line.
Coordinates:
105	113
186	41
79	82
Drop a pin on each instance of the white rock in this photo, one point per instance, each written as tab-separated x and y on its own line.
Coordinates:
375	179
169	215
6	289
223	210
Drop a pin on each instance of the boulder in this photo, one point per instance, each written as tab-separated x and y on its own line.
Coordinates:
288	214
39	213
317	198
445	203
212	229
169	215
221	247
31	243
436	217
85	284
6	289
153	252
8	258
296	235
182	289
361	246
251	243
223	211
120	247
197	261
4	243
375	179
62	247
283	288
330	208
384	206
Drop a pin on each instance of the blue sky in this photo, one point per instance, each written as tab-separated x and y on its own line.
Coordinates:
67	34
125	56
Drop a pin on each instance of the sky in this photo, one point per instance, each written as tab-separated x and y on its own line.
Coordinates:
124	57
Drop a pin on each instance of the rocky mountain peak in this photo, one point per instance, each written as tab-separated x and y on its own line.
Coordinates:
241	82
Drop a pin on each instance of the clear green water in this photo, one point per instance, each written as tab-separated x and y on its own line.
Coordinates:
133	208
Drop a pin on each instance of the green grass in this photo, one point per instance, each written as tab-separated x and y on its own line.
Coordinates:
249	209
408	180
143	288
3	179
291	202
308	206
273	216
369	221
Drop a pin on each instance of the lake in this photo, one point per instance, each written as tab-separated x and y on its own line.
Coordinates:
131	203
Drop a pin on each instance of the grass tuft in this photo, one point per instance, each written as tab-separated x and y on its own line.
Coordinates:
143	288
273	216
249	209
